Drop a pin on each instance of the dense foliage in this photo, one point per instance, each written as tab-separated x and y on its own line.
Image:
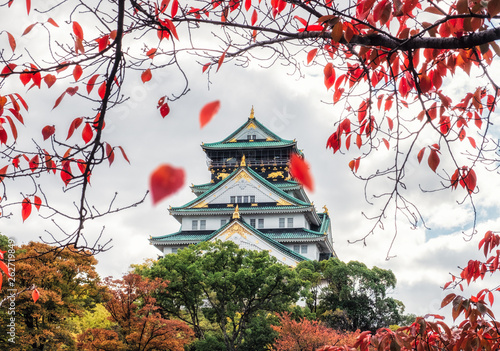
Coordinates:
232	285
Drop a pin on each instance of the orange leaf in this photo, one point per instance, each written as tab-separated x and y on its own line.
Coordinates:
329	75
299	169
208	112
221	59
164	181
311	55
77	72
77	29
35	295
25	208
47	131
146	76
151	53
51	21
29	28
4	268
87	133
12	41
433	160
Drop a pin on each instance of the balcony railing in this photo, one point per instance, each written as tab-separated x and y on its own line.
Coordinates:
250	163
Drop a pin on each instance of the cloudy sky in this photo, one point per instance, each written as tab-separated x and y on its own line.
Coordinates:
292	107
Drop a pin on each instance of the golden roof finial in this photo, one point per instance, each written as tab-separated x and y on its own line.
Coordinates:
251	114
243	162
236	213
326	210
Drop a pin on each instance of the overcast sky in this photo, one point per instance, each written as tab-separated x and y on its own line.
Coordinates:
291	107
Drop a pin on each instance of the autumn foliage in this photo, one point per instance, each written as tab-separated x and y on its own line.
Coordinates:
307	335
141	326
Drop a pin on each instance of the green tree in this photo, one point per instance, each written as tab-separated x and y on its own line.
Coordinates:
355	297
68	285
235	285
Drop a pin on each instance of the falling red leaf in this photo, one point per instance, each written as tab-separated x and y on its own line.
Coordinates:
254	17
386	142
175	7
77	29
164	181
28	6
47	131
299	169
35	295
146	76
208	112
25	208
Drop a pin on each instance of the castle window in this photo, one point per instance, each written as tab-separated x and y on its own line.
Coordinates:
252	198
245	198
289	223
233	199
296	248
174	250
203	224
223	222
252	222
194	225
261	223
303	249
239	199
282	223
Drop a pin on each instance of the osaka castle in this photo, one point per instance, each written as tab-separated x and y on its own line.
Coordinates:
252	200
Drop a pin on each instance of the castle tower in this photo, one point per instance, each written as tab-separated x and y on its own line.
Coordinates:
252	201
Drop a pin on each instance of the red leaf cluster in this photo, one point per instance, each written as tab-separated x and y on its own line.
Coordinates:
299	169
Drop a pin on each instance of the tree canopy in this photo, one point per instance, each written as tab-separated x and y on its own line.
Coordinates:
232	285
351	296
